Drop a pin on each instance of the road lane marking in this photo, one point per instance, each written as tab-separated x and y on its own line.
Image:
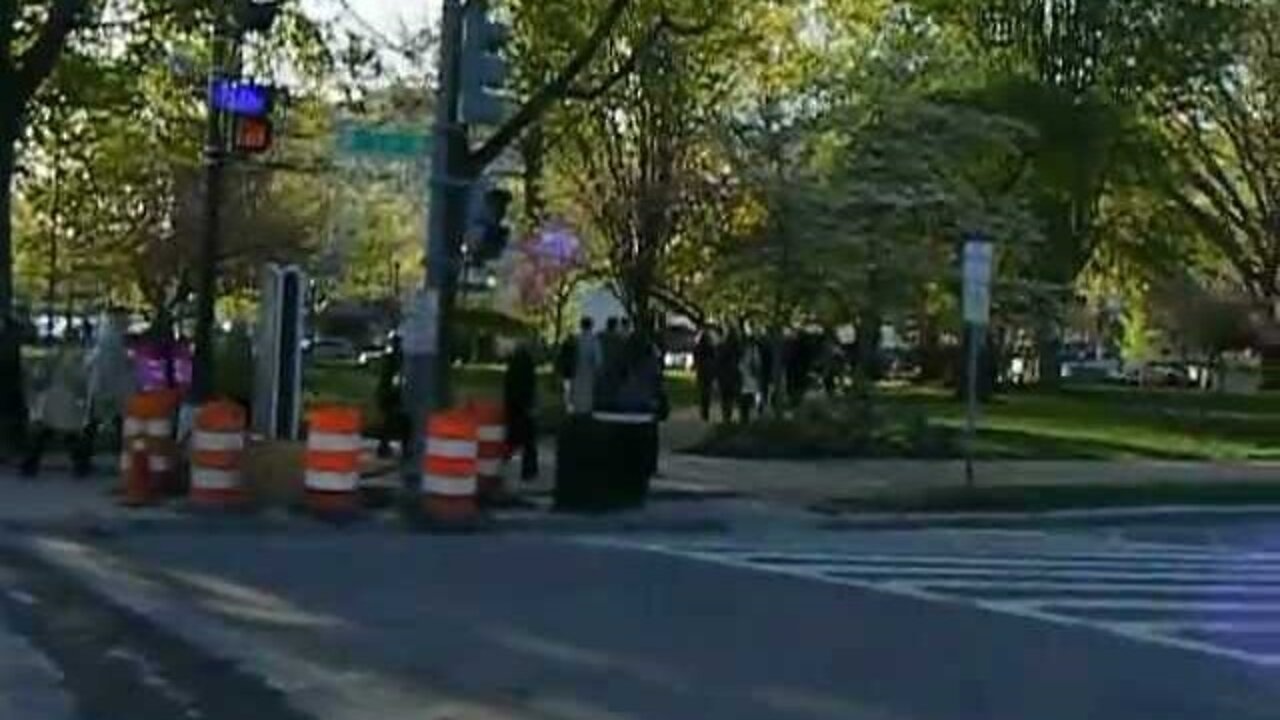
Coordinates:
1057	586
1100	562
929	577
855	570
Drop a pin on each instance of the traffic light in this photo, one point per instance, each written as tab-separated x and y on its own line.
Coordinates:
484	71
487	231
257	15
252	135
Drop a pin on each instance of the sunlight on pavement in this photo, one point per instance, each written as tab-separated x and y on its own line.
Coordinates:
247	603
557	651
815	705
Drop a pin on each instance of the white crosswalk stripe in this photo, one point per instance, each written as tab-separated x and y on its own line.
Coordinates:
1216	602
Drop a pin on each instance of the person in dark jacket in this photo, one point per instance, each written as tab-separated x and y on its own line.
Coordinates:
613	364
704	367
767	371
395	423
520	396
796	367
566	364
729	374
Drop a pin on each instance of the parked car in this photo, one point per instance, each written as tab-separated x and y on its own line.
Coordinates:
1161	374
1092	370
330	350
370	354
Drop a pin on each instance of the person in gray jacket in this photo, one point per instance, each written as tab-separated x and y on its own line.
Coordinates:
111	377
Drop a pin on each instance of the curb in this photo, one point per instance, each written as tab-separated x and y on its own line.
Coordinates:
389	521
605	524
1051	518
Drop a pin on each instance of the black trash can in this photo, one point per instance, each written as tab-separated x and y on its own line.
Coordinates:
629	440
604	462
577	465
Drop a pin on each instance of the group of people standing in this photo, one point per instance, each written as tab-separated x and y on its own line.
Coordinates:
72	394
616	369
749	373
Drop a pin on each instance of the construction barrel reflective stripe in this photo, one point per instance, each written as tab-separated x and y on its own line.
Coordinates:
449	467
217	447
333	459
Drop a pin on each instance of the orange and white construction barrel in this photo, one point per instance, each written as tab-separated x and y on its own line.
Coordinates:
148	462
217	449
491	448
332	480
450	467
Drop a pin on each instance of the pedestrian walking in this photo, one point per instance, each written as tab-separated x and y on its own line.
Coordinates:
749	370
797	367
830	363
729	374
704	367
520	399
768	367
59	414
566	358
112	380
395	422
587	362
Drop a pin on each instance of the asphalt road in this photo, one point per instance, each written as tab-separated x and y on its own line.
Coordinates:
924	625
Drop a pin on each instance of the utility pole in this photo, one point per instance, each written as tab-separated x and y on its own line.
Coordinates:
426	354
207	283
976	266
472	74
230	26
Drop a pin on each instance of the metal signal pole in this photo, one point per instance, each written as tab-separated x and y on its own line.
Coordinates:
425	337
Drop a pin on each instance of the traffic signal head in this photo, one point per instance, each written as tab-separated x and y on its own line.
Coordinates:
483	73
253	135
487	233
257	15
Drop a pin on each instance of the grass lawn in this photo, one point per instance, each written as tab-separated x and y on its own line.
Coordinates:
1015	498
1113	423
1073	423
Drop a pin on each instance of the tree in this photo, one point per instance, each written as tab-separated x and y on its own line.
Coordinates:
1223	145
80	58
1083	75
901	193
32	37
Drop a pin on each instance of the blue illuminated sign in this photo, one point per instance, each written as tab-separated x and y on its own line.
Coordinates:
240	97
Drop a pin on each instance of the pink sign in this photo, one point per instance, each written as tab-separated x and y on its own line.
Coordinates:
150	366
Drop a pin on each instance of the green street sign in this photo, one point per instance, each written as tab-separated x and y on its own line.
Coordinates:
382	142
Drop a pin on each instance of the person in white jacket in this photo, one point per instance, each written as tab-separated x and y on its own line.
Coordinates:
59	412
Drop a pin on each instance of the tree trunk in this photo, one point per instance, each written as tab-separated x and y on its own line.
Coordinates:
13	411
533	149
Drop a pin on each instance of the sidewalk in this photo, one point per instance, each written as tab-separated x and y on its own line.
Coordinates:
692	493
805	483
56	502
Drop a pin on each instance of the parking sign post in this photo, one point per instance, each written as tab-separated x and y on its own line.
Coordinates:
978	253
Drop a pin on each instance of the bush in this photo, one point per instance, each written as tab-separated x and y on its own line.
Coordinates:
846	428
